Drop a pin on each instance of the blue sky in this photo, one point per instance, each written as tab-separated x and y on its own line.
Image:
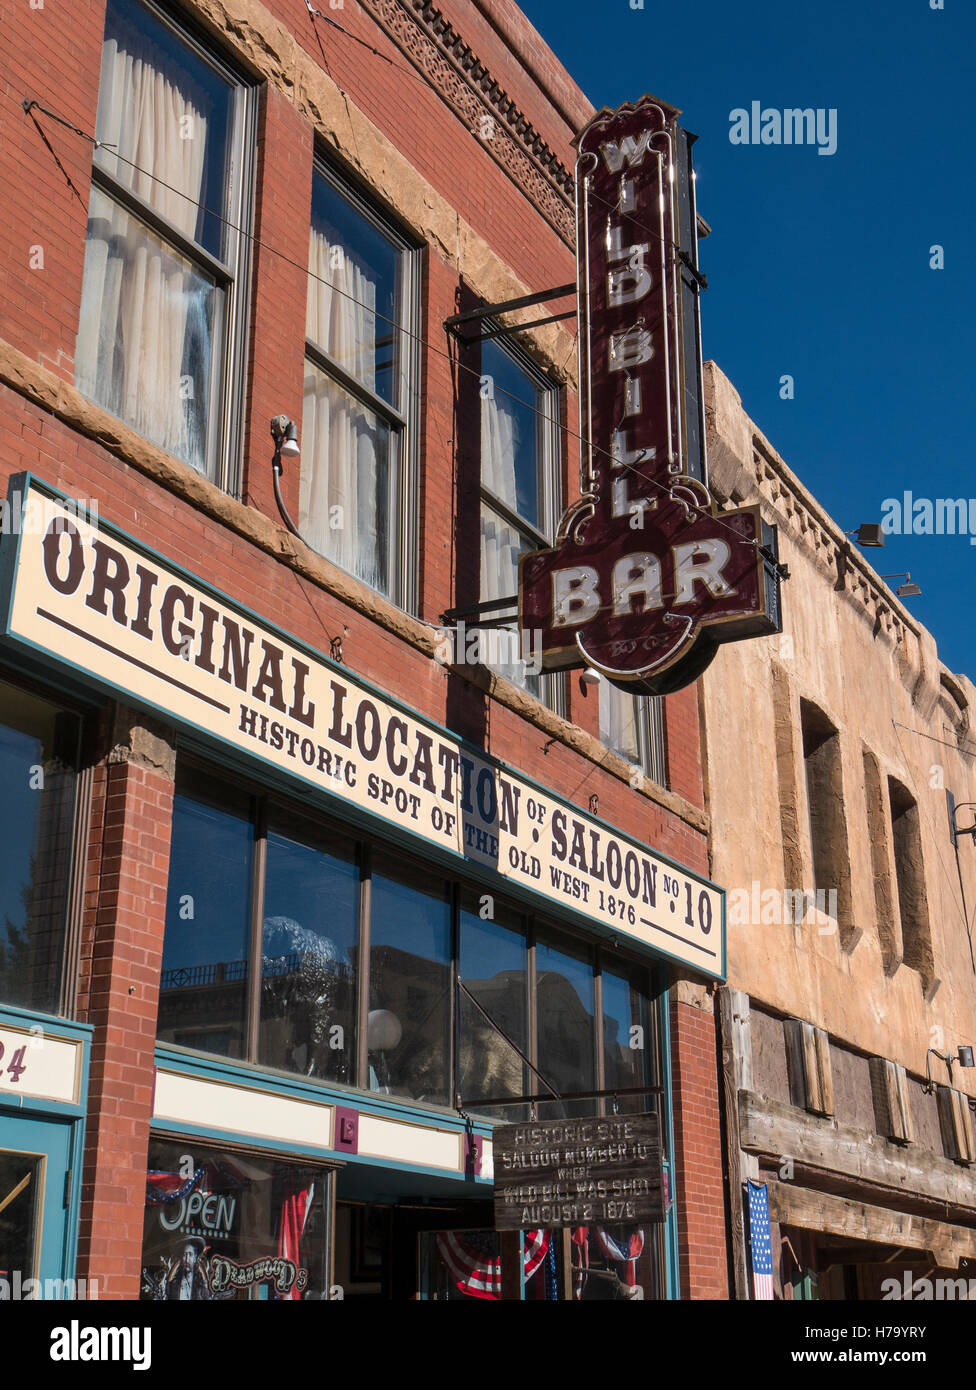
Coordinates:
818	266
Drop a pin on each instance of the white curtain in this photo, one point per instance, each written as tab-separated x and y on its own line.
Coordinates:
345	447
144	338
618	721
500	543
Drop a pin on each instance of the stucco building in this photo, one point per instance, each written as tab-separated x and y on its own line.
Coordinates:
837	754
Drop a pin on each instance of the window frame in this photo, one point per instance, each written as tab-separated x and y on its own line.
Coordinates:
552	691
649	730
403	419
232	276
80	820
537	925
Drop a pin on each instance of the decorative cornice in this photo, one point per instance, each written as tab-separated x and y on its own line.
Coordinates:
50	393
456	73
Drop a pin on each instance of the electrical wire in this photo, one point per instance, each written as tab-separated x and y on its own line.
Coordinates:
409	72
664	488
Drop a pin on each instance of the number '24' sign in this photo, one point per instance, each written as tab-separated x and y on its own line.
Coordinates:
15	1066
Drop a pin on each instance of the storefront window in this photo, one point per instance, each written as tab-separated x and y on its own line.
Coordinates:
263	962
493	959
203	989
408	1036
567	1014
311	922
228	1225
625	1037
38	767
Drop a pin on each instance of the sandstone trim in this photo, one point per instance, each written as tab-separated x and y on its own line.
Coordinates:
49	392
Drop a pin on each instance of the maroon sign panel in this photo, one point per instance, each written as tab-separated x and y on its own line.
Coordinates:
646	577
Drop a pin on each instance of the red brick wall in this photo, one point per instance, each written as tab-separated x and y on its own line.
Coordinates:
53	58
699	1186
54	54
122	947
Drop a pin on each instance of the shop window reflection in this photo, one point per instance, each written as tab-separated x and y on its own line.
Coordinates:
493	966
308	987
408	1029
626	1039
38	761
203	988
567	1014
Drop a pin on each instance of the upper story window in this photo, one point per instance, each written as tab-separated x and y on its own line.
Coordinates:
913	906
162	327
632	725
357	491
39	744
519	486
827	817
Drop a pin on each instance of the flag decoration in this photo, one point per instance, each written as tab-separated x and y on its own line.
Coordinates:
162	1187
760	1240
475	1265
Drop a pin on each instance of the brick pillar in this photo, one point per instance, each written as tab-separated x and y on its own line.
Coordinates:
122	947
699	1187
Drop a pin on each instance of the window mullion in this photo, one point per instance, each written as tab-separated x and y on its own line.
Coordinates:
144	212
353	385
254	971
601	1073
361	1071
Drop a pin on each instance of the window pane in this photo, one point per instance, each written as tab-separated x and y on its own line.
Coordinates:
308	986
38	758
510	435
22	1203
169	116
410	986
241	1226
626	1038
345	488
501	545
146	335
618	722
354	292
493	967
203	989
566	1006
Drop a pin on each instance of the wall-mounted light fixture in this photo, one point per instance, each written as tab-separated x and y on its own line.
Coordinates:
284	432
868	533
589	677
906	590
964	1056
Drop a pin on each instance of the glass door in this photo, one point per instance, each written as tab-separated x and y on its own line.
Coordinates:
34	1157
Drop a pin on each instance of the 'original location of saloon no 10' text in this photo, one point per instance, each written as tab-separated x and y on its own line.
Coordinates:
87	596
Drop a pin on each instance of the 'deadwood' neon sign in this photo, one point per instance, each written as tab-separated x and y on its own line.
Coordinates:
646	577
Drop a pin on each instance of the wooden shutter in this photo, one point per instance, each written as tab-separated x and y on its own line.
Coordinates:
892	1107
808	1058
957	1124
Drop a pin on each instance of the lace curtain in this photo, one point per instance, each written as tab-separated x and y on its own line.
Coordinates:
146	327
345	446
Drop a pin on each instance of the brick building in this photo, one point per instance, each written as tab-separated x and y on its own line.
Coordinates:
249	800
